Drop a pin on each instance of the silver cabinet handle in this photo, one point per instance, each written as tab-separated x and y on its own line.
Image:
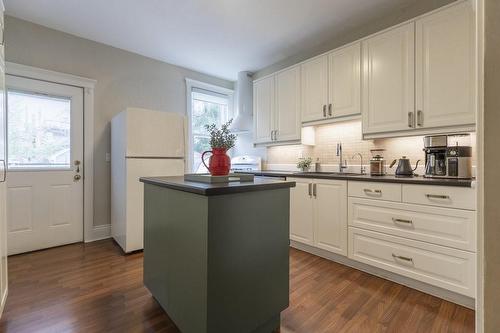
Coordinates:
402	258
437	196
420	118
309	188
4	176
330	109
324	110
374	192
275	135
410	119
314	190
395	220
272	135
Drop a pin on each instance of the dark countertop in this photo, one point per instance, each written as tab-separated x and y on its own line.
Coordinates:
386	179
178	183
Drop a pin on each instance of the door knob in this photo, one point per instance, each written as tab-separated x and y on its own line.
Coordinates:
77	178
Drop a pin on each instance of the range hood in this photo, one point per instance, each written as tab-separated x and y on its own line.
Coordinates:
243	121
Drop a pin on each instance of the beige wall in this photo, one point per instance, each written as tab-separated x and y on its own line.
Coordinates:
492	166
123	79
349	133
352	33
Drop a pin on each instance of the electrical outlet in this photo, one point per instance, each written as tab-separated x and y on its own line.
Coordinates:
108	157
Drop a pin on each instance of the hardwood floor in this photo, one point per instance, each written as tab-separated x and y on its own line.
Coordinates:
95	288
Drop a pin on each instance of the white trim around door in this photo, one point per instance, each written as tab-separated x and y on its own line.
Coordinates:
91	232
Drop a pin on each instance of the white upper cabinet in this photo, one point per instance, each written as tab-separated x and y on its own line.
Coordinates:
264	102
420	77
344	81
445	67
315	89
388	80
277	107
287	117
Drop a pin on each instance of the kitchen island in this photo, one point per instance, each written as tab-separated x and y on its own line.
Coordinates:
216	255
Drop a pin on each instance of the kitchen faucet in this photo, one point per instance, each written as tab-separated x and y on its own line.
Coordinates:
362	170
342	162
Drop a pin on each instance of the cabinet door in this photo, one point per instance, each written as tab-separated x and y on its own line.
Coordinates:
288	105
345	81
445	67
314	77
388	81
264	105
330	207
301	211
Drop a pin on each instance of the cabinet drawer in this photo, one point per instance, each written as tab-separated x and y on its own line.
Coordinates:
442	196
442	226
375	190
440	266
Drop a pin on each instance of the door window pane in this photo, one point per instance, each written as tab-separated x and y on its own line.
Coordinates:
38	130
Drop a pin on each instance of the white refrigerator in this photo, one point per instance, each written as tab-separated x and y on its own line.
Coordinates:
144	143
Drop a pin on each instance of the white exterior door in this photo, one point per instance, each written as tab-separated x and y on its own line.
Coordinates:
264	105
45	162
301	211
3	188
345	81
288	125
445	76
388	81
314	77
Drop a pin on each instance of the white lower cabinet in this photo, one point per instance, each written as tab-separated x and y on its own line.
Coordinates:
318	214
301	211
424	232
437	265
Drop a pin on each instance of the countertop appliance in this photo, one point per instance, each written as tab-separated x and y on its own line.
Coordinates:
435	155
377	163
246	163
446	157
404	168
144	143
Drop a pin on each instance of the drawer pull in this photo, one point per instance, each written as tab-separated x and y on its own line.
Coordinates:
309	187
402	258
395	220
437	196
374	192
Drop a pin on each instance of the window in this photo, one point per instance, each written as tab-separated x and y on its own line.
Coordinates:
208	105
38	130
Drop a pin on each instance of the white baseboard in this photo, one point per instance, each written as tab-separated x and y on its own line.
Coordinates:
3	300
99	232
453	297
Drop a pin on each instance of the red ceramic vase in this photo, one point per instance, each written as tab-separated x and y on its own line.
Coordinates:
219	163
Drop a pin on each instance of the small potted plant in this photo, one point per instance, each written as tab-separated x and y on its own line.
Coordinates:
304	164
221	140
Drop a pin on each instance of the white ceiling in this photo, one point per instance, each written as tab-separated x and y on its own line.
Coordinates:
217	37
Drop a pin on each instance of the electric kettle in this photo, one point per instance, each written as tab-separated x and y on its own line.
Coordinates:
404	168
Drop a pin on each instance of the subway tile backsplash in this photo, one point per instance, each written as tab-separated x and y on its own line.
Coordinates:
349	133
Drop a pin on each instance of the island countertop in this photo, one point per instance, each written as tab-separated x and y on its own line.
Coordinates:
178	183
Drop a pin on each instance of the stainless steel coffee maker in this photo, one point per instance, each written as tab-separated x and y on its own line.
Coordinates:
448	156
435	155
